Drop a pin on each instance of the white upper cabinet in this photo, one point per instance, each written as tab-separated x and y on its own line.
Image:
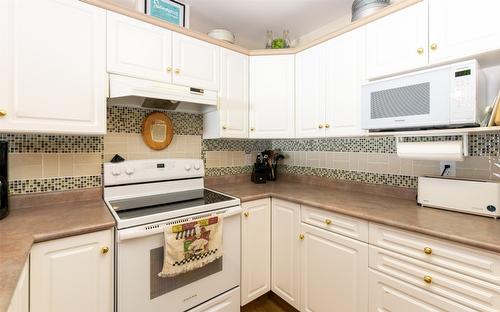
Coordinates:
345	72
52	67
231	120
195	63
459	29
310	91
272	80
73	274
138	49
398	42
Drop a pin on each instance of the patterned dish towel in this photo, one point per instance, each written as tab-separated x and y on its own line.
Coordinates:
191	245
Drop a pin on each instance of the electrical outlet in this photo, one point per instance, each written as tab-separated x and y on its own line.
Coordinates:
451	172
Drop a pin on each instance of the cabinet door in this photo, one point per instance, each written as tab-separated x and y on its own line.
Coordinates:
53	67
138	49
20	299
234	94
255	250
334	272
310	88
272	96
398	42
73	274
195	62
459	29
345	73
390	294
285	251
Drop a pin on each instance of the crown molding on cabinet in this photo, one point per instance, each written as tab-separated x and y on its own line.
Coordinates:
198	35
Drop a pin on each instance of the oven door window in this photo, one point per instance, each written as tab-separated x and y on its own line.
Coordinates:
160	285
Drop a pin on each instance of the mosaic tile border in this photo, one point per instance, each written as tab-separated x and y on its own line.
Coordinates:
40	143
126	119
355	176
246	145
222	171
17	187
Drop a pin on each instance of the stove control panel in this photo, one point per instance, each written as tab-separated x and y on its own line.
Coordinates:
150	170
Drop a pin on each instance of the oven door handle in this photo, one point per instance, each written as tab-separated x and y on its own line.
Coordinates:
153	229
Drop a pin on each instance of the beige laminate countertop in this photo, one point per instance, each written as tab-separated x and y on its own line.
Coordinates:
476	231
43	217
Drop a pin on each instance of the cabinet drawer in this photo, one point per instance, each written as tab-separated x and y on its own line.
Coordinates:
469	291
470	261
334	222
390	294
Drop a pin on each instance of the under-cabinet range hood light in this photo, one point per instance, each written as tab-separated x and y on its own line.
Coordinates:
130	91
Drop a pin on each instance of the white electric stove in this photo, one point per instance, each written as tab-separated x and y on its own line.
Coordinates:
144	197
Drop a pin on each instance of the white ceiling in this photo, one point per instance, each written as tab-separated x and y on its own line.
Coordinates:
250	19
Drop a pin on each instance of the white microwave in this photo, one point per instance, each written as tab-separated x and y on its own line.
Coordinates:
447	96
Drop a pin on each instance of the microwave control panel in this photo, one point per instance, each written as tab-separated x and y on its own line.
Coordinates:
463	93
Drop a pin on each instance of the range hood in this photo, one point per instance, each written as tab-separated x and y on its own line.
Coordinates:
130	91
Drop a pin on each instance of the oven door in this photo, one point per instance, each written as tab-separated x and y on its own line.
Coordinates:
140	259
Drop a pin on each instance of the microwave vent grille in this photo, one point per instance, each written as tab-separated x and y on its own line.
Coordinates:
400	102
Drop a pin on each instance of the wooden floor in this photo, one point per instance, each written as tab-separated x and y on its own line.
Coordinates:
268	303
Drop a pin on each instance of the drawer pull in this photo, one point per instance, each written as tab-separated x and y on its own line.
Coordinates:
328	221
428	250
427	279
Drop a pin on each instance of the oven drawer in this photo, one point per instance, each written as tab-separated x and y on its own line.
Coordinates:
469	291
390	294
334	222
470	261
227	302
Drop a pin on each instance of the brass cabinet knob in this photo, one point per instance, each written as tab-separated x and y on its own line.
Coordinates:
427	279
3	113
428	250
420	50
224	127
434	46
301	236
328	221
177	71
169	69
320	126
252	129
327	126
104	250
246	214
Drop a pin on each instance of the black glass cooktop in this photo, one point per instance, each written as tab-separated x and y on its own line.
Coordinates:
148	205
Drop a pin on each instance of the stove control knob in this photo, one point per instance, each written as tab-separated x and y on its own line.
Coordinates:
129	170
116	171
187	167
197	166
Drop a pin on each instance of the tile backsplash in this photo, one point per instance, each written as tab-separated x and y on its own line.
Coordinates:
41	163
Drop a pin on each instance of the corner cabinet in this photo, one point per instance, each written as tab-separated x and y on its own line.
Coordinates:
52	67
255	249
231	119
398	42
272	80
138	49
285	242
73	274
21	297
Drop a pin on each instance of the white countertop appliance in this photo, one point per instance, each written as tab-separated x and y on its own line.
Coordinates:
479	197
446	96
144	197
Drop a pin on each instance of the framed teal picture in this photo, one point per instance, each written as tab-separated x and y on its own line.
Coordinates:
168	10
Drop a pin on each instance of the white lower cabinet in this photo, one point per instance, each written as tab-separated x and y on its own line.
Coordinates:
285	268
390	294
20	299
255	249
334	272
73	274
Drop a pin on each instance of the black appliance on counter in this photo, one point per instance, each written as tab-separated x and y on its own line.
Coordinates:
266	166
4	184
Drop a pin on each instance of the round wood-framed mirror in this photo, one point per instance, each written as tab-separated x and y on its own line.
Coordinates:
157	130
